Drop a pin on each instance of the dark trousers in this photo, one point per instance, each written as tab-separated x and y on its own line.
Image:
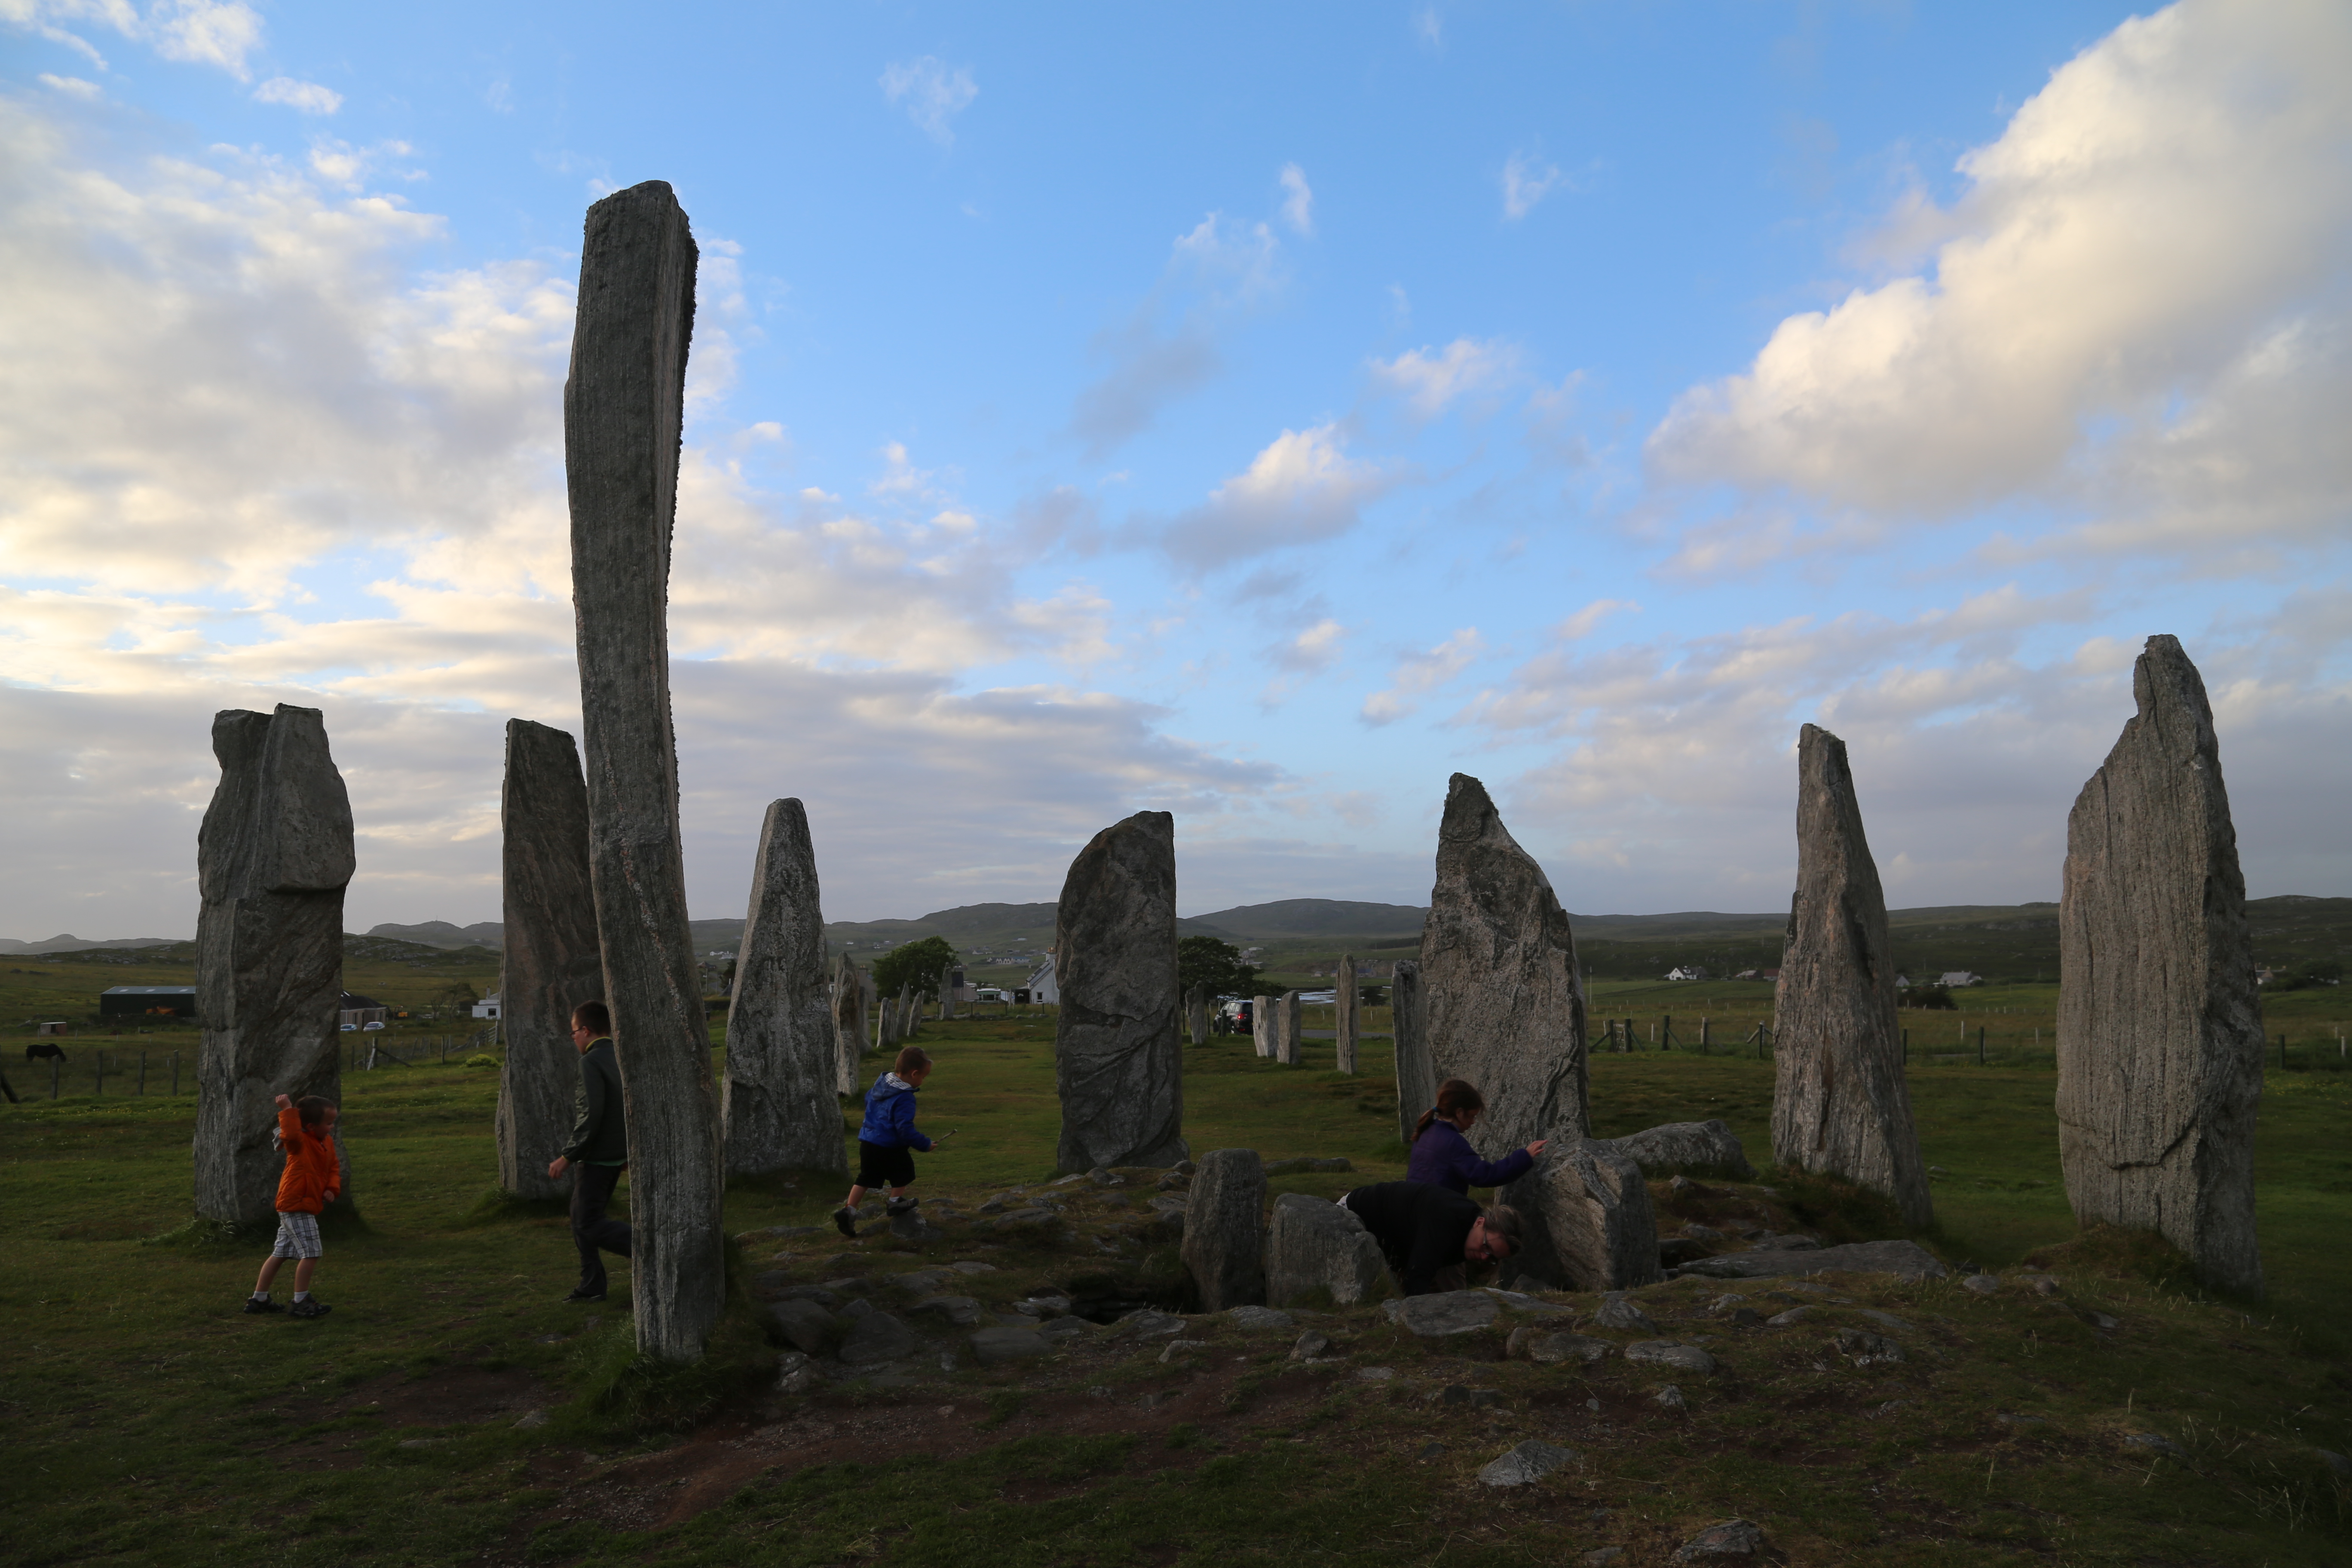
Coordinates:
591	1189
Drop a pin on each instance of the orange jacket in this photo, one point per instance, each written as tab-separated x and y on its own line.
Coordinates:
312	1175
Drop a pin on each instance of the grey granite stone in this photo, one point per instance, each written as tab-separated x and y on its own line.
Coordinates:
1118	1059
1224	1230
548	963
1319	1253
779	1104
1587	1217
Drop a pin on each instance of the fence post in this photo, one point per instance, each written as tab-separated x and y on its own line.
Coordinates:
175	1073
1667	1034
1702	1033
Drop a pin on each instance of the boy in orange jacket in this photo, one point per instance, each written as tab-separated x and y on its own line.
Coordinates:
307	1133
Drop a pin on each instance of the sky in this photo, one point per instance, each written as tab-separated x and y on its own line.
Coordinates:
1259	413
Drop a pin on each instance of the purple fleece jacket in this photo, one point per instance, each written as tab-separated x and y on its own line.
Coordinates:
1443	1158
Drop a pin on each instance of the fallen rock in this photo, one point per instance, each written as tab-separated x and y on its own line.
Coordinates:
1732	1538
1174	1349
962	1311
1790	1319
1377	1373
1867	1349
1616	1312
875	1337
1709	1148
1311	1346
1670	1398
1147	1324
1551	1348
994	1347
802	1324
1318	1252
1907	1258
1666	1352
1526	1464
1062	1331
1982	1284
1444	1313
1258	1317
796	1373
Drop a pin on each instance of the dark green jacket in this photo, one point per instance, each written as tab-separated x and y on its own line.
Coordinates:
599	1135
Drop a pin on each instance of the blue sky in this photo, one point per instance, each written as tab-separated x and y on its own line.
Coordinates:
1256	416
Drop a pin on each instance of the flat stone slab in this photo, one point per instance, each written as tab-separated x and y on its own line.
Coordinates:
875	1337
1616	1312
1732	1538
1444	1313
1149	1324
1553	1350
1665	1352
994	1347
1907	1258
962	1311
1526	1464
1259	1318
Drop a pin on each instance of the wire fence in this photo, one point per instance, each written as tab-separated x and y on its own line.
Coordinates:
69	1066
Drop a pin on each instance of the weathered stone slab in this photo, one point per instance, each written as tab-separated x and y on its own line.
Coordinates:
877	1337
1255	1318
2160	1027
622	406
1344	999
1196	1014
550	962
1840	1106
803	1324
778	1107
1289	1040
1505	1001
1529	1462
843	996
273	856
1318	1253
1666	1352
1688	1148
1554	1348
1416	1083
1262	1026
1444	1313
1907	1258
1224	1230
1118	1060
1589	1221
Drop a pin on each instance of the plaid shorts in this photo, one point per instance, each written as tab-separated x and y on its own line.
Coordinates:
297	1235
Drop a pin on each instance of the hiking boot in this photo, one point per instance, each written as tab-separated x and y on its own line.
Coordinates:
255	1304
584	1294
844	1220
310	1309
898	1206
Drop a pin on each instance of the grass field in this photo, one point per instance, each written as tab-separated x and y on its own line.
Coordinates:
156	1424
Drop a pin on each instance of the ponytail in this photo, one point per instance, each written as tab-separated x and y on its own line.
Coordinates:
1455	1096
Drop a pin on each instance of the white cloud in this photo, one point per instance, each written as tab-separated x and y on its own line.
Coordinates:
1299	658
72	86
1527	180
2135	310
204	32
1242	260
1420	673
1428	27
932	93
307	95
1301	488
1297	200
1432	380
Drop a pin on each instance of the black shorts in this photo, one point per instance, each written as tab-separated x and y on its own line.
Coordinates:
881	1167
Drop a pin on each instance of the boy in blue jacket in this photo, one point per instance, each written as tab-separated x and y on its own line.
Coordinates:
888	1140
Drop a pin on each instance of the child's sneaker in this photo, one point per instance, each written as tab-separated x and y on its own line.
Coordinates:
261	1304
310	1309
898	1206
844	1220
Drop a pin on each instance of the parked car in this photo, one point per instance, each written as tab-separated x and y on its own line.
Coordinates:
349	1028
373	1024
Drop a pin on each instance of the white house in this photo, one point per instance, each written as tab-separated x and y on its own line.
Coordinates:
1686	971
488	1007
1041	986
1959	977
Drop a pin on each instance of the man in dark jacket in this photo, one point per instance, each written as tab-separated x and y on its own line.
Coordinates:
599	1150
1428	1234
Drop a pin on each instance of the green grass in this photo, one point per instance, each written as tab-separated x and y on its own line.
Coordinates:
153	1423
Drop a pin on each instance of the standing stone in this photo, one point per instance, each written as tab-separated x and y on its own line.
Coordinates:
1118	1060
550	962
1262	1026
1505	1000
2159	1025
1224	1230
1343	1014
1409	1032
622	409
1319	1255
1196	1013
1839	1107
848	1043
1588	1217
273	856
910	1011
778	1105
1288	1043
947	995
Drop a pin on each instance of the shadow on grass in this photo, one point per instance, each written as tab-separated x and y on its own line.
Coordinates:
499	1207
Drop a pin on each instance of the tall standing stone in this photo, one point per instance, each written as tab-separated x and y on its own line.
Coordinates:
273	856
778	1107
1343	1014
548	963
622	410
1224	1230
1409	1032
1840	1106
1262	1026
2159	1026
1505	1000
947	997
848	1040
1288	1042
1196	1014
910	1010
1119	1062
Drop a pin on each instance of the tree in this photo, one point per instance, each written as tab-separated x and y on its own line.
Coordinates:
921	962
1205	961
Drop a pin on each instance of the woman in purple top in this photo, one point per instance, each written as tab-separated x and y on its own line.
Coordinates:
1442	1156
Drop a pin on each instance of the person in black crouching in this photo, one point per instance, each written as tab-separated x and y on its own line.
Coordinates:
1430	1236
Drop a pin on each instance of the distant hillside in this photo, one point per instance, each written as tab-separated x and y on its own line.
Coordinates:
441	933
70	943
1313	917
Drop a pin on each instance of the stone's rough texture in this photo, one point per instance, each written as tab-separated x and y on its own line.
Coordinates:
1587	1213
1530	1461
1732	1538
1554	1348
1665	1352
1118	1060
1840	1106
1444	1313
877	1337
1706	1148
549	963
1262	1026
1196	1014
1317	1253
1416	1084
847	1001
1259	1318
1907	1258
1344	999
803	1324
779	1107
622	410
1506	1004
1223	1230
273	856
1617	1312
994	1347
1290	1043
2159	1031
